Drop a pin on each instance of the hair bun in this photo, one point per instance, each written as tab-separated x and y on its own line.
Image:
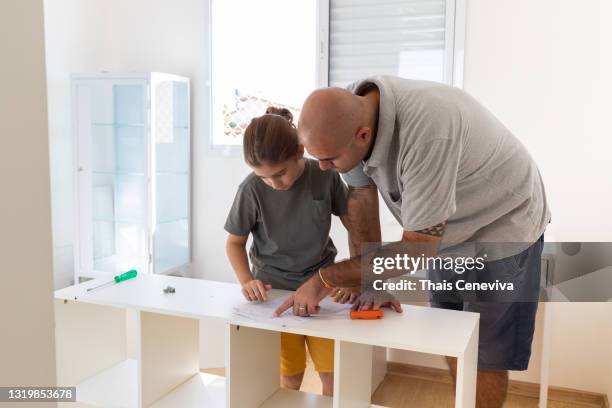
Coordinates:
284	112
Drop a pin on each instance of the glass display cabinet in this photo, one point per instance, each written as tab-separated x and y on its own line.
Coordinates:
132	176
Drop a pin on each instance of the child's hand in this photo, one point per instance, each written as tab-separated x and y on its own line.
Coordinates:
345	295
255	290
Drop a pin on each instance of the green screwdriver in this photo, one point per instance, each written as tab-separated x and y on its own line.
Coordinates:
119	278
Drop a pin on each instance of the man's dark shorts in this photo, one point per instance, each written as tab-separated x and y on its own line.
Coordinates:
506	328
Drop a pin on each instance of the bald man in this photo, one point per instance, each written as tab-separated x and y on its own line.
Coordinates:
450	173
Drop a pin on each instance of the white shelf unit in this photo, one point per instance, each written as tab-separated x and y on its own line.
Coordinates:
164	371
132	149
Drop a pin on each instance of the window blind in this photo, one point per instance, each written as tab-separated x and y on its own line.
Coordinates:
405	38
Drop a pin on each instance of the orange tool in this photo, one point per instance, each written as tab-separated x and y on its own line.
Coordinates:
367	314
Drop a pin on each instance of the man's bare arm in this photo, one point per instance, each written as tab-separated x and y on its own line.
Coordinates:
362	220
363	225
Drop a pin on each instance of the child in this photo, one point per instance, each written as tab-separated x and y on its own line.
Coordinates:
286	203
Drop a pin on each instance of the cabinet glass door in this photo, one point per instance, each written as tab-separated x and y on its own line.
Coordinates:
170	131
118	189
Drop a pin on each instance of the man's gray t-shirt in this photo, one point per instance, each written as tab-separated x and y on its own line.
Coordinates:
439	156
291	227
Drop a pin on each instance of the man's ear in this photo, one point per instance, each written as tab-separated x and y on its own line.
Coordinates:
364	135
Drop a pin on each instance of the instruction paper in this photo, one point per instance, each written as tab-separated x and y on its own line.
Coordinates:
264	312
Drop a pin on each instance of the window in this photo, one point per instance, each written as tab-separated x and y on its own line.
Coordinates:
263	53
275	52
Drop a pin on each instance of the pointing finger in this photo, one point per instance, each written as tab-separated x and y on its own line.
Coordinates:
287	304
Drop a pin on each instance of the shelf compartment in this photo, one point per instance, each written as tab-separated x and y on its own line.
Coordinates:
118	387
91	351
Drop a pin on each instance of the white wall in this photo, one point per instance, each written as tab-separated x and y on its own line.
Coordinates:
543	67
27	345
75	42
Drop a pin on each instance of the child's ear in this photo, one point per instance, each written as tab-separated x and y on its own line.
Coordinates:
300	151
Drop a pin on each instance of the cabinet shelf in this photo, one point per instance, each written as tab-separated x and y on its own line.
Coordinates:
170	220
162	221
131	125
118	173
118	124
172	173
119	221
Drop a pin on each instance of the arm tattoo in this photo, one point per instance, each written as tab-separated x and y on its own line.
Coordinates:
435	231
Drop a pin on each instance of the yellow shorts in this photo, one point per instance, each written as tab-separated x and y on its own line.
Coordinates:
293	353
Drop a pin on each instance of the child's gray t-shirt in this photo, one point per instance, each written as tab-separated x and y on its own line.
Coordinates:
290	227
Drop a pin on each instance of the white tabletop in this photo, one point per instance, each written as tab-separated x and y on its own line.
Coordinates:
422	329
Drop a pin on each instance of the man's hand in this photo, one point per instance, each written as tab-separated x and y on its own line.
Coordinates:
255	290
375	299
345	295
306	299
